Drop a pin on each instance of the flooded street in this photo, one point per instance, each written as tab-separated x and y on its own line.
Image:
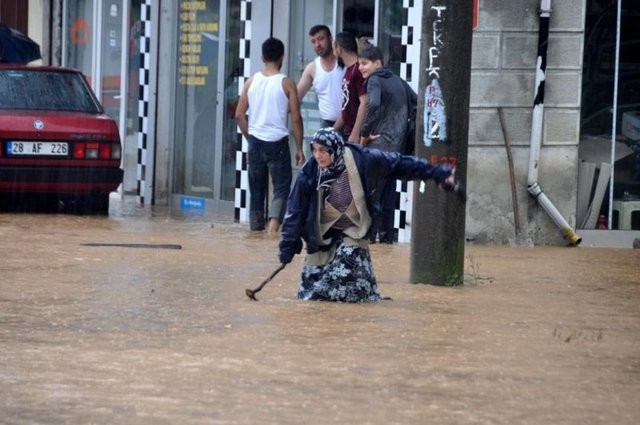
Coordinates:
103	321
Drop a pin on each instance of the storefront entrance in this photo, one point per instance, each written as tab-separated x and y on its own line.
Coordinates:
361	18
102	39
116	43
206	91
171	77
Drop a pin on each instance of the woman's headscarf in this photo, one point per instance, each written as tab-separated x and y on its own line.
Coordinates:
333	142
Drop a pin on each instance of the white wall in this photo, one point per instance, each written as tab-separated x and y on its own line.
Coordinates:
38	26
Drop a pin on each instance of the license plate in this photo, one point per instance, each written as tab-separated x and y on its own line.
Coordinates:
37	148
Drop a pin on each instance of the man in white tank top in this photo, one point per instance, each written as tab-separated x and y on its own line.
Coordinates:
268	97
325	74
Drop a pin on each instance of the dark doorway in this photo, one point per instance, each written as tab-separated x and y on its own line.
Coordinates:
358	17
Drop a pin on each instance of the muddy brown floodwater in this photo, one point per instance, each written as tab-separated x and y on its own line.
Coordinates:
151	335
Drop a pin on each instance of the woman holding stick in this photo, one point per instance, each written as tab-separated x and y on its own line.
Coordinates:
331	206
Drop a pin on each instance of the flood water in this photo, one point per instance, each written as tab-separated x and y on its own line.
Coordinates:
102	321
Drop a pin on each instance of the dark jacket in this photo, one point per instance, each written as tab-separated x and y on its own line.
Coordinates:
387	111
302	206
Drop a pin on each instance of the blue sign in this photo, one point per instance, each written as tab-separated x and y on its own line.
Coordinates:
192	203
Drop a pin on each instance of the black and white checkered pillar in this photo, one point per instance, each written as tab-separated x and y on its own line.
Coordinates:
241	205
143	101
411	30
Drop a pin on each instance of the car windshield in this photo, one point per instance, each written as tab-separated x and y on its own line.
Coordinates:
45	90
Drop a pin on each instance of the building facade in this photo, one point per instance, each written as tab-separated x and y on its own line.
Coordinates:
170	71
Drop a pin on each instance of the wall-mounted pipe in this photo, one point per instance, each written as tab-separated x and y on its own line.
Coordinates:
536	129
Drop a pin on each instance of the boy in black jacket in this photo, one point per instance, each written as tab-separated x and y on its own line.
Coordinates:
385	127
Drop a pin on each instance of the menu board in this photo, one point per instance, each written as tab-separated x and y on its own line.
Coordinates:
198	35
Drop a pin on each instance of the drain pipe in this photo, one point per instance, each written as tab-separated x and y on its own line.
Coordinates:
536	129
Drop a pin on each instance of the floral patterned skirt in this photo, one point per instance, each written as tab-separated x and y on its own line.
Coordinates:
347	277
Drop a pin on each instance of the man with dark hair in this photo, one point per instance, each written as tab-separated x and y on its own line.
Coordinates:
325	74
354	94
384	128
268	97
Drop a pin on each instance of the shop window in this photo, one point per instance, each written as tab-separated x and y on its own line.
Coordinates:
599	117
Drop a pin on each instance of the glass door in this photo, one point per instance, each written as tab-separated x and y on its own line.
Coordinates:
208	68
101	38
230	81
118	61
304	15
78	33
109	56
196	102
130	85
389	33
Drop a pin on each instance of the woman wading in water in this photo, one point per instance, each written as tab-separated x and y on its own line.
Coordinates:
331	206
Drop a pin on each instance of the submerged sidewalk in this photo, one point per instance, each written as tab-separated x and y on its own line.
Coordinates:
101	323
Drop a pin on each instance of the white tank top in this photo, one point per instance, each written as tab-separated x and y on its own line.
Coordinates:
268	107
328	87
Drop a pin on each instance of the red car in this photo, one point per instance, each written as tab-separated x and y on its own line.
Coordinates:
55	139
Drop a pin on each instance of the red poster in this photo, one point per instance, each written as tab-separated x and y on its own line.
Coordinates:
475	13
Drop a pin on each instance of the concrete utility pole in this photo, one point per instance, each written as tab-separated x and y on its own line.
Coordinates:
437	239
